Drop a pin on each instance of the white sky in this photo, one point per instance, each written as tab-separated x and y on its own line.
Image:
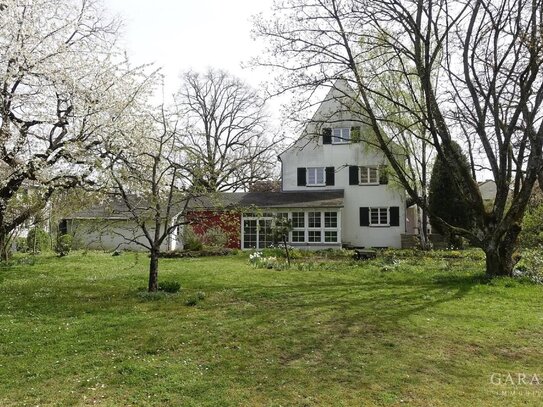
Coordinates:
178	35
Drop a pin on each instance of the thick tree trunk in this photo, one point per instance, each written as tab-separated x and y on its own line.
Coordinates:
153	272
497	265
4	247
500	255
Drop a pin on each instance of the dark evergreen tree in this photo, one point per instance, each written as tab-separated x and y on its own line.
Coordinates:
446	199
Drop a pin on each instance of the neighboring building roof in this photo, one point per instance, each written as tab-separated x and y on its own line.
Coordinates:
110	209
116	210
294	199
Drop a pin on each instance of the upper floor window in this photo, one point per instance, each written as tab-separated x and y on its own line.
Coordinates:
341	135
369	175
315	176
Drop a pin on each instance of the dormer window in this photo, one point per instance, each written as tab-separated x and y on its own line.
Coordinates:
341	135
315	176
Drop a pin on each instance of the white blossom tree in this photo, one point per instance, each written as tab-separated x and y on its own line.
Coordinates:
144	176
65	86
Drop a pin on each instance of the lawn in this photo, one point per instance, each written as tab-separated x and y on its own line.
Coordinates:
419	332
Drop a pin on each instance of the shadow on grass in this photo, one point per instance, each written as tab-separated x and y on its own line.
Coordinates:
376	298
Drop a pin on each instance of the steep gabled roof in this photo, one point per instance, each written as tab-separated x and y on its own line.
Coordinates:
336	107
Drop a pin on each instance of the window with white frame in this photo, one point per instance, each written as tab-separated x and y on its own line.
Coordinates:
315	176
307	227
379	217
257	230
298	220
314	220
369	175
330	220
341	135
330	227
298	227
250	234
314	233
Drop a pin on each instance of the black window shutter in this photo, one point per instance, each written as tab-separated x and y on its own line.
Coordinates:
327	135
383	174
353	175
355	134
301	177
364	216
394	216
330	176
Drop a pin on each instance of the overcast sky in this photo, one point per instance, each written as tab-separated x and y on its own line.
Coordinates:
190	34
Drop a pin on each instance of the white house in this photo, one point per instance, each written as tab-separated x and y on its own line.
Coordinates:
335	191
329	156
356	205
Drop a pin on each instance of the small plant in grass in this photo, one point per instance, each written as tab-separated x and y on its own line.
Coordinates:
255	257
279	251
193	300
258	261
305	266
169	286
63	245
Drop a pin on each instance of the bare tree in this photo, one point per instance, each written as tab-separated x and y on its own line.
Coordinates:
467	70
64	87
227	139
145	178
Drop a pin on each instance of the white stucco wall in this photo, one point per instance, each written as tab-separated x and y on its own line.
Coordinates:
97	234
309	151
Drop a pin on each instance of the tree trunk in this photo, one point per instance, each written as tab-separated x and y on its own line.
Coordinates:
496	265
4	246
153	272
500	255
424	239
286	249
424	242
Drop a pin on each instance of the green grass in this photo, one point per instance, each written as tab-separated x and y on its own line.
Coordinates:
425	332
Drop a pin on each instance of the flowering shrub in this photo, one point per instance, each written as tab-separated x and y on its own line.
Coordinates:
255	257
258	261
530	265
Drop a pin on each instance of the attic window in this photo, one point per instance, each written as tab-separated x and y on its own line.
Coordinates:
341	135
